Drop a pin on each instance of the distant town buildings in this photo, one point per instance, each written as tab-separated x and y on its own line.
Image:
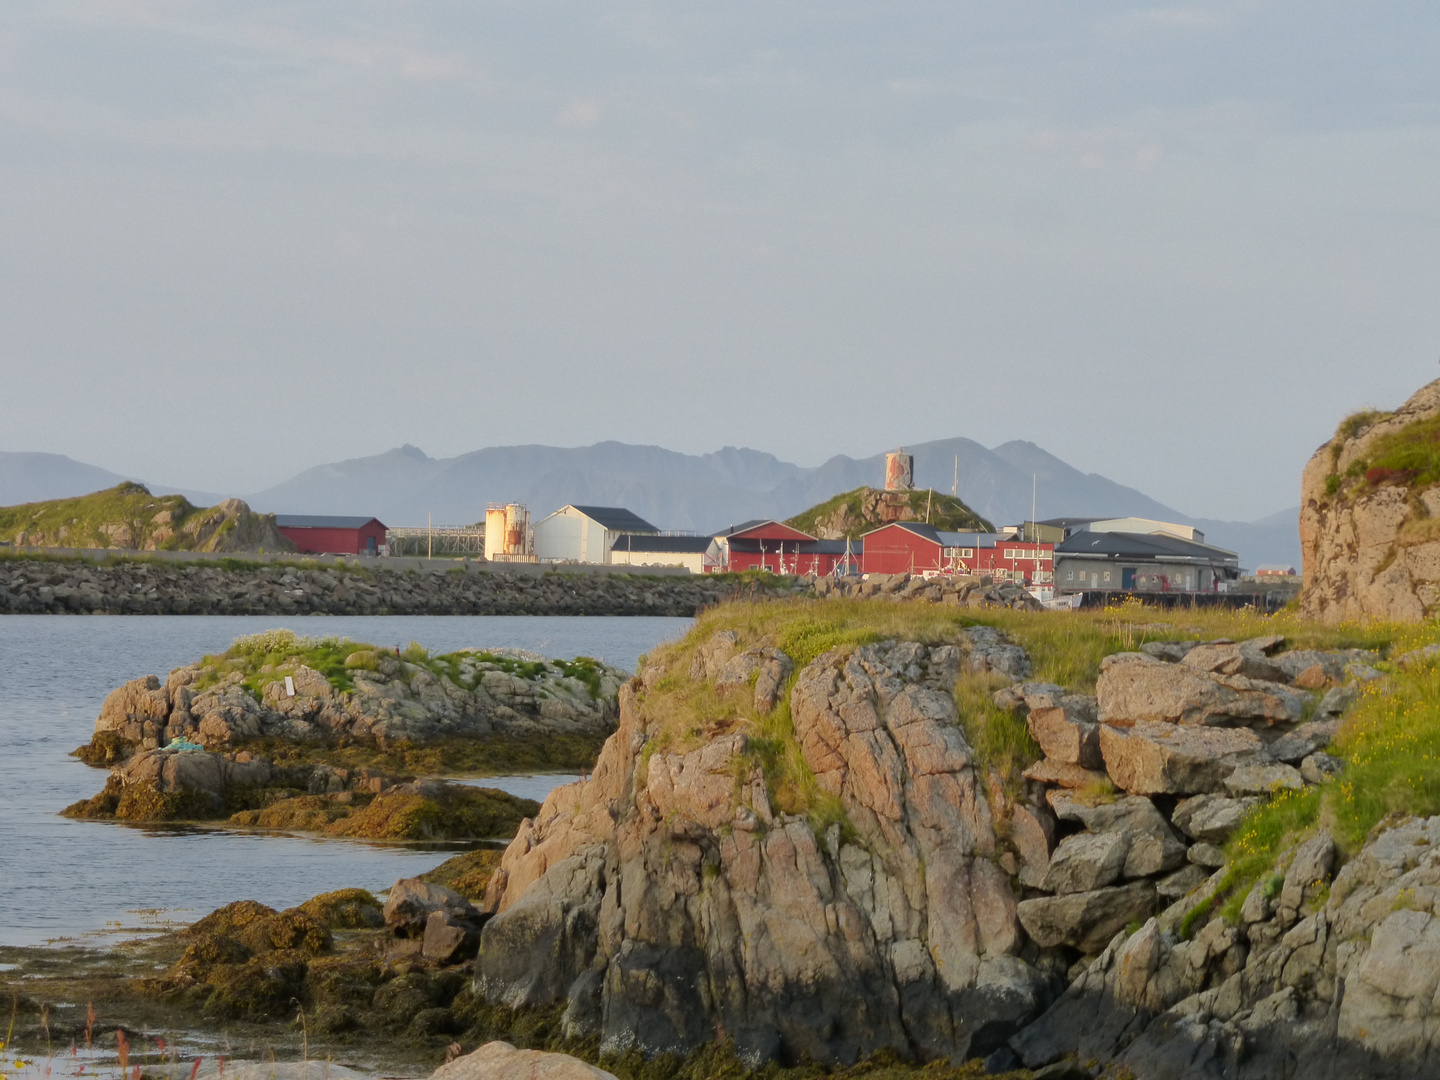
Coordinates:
1053	558
1138	555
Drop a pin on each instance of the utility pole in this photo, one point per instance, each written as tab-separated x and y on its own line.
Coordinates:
928	498
430	536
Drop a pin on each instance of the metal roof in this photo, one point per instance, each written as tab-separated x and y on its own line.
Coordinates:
323	521
968	539
793	535
942	539
744	526
616	519
1146	546
670	545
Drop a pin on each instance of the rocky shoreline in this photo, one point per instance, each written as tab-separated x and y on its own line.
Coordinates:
855	838
333	736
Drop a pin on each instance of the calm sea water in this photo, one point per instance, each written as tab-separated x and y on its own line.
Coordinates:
62	879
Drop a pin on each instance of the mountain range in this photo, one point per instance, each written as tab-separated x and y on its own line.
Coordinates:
699	492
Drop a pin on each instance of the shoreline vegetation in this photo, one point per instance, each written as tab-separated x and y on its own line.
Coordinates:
331	980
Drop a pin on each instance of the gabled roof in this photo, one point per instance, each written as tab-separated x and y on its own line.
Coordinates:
669	545
772	530
1148	546
614	518
323	521
919	528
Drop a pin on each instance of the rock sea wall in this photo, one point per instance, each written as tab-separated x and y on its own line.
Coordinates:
36	586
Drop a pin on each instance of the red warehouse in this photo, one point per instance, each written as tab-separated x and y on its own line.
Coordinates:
912	547
782	549
320	534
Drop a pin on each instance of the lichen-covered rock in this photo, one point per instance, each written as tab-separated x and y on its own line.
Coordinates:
1086	920
1136	687
667	898
1155	758
1326	980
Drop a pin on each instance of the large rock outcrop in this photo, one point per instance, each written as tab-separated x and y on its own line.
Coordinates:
1366	533
667	902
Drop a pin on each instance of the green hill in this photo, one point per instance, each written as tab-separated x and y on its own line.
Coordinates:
128	516
849	515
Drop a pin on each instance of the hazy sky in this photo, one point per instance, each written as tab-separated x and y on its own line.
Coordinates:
1170	244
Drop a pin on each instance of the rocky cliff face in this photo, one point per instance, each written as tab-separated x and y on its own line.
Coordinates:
1368	546
936	911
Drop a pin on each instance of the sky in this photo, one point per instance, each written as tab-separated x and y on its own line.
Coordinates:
1172	245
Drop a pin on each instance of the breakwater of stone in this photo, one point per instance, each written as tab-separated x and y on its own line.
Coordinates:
232	587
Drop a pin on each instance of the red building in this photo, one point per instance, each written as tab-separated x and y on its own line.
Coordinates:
783	549
912	547
319	534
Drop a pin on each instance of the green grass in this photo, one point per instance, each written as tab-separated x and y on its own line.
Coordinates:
1410	456
946	512
1390	743
1000	739
125	516
1391	746
259	657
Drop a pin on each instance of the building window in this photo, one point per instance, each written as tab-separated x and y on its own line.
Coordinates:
1069	575
1107	575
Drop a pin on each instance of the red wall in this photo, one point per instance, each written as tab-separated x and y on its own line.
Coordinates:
893	550
333	541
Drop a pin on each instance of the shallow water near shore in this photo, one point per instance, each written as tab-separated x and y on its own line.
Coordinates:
76	880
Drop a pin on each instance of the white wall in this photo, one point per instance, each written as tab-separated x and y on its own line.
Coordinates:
569	535
694	561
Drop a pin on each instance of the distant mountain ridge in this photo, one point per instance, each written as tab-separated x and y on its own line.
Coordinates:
705	492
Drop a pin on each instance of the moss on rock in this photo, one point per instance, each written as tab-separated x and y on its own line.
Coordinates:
345	909
468	874
453	813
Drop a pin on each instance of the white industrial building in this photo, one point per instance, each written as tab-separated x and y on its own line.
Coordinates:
698	554
585	534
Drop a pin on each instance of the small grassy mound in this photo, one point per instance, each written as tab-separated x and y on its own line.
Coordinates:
127	516
847	513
